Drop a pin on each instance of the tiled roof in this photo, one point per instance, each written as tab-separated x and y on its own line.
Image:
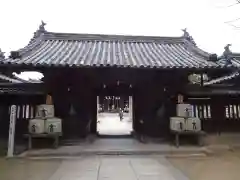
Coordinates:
236	59
222	79
10	90
15	79
230	58
83	50
19	90
2	57
10	79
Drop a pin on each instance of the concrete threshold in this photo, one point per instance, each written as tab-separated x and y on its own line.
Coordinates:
169	153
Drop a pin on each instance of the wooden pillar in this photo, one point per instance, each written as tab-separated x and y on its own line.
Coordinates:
130	108
97	104
12	124
201	79
217	113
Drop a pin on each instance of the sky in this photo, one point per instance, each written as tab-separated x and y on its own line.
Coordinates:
204	20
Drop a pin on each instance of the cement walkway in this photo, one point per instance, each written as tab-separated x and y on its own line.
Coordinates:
114	168
115	146
93	168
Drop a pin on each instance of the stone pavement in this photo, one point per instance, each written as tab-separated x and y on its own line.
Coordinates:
225	165
128	146
101	168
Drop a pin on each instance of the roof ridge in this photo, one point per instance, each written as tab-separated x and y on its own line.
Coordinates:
110	37
217	80
235	54
195	49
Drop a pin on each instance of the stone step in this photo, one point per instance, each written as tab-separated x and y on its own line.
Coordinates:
169	153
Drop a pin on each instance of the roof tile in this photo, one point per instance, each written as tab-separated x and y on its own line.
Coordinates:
63	49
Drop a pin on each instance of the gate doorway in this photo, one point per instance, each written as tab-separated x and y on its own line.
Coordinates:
114	115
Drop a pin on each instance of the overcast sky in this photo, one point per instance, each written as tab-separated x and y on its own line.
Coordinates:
204	19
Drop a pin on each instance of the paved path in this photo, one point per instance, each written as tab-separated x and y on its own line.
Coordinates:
110	124
117	168
91	168
115	146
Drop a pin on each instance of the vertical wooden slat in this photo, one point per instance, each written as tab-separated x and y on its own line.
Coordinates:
205	111
209	111
232	111
198	111
32	112
27	111
235	111
226	112
18	112
201	111
194	110
238	110
229	113
23	111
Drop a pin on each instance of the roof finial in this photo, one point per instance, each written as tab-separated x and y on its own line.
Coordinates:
187	36
40	30
2	54
185	33
227	54
41	27
227	49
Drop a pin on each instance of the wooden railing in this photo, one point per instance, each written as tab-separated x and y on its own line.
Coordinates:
231	121
202	110
226	117
24	113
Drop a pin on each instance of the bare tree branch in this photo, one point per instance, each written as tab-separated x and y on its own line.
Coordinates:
236	27
234	4
232	20
231	5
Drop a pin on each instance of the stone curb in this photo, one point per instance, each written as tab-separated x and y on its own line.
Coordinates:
177	153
